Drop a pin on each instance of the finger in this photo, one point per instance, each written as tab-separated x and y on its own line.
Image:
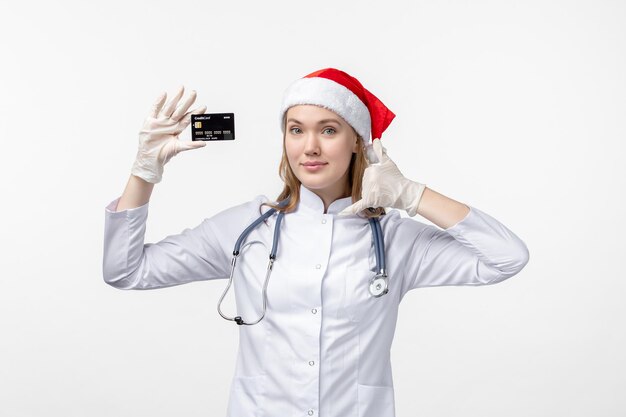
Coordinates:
184	122
156	107
198	110
385	156
353	209
345	212
180	111
171	105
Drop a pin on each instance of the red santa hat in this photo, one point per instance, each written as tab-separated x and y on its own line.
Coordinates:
345	95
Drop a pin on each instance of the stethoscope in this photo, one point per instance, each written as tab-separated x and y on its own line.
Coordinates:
378	286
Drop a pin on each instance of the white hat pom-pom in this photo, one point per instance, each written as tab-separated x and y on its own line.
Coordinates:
371	155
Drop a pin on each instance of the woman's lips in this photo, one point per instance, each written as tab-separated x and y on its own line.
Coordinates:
313	168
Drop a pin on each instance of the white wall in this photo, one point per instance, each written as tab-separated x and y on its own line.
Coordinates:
516	108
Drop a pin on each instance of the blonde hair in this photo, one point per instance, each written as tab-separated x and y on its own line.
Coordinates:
358	163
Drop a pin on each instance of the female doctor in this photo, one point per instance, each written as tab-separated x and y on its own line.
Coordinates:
316	296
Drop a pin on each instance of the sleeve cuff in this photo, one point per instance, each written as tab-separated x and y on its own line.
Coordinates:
464	220
111	209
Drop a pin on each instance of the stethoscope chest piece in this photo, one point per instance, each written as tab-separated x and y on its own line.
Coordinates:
379	286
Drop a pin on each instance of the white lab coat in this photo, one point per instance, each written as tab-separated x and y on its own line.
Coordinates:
323	348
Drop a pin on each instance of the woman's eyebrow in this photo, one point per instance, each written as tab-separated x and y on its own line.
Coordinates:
319	123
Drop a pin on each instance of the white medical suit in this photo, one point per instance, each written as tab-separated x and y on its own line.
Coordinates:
323	348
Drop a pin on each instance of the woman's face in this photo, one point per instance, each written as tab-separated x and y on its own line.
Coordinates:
316	134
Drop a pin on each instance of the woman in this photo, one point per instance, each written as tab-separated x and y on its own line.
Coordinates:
323	344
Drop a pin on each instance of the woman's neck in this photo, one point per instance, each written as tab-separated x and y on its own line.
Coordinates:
328	196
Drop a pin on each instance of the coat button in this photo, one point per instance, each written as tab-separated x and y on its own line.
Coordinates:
311	363
314	311
310	412
318	266
323	221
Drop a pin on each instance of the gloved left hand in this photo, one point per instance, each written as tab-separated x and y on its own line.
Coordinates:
385	186
158	138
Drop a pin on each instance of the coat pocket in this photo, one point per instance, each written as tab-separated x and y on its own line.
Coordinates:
246	396
376	401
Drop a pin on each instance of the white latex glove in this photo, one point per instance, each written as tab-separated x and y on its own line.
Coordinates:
385	186
158	138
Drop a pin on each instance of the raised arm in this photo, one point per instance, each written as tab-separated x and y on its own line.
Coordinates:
473	250
136	194
441	210
128	263
194	254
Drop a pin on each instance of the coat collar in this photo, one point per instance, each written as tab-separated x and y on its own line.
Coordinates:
312	203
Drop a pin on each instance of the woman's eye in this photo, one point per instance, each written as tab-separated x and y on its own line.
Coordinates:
296	130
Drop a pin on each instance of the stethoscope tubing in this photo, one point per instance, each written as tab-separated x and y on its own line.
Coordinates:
378	244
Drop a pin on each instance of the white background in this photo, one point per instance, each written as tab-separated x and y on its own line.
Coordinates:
516	108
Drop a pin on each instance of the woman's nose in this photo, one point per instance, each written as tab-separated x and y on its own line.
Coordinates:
312	144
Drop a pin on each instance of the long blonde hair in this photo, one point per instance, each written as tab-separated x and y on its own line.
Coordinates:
358	163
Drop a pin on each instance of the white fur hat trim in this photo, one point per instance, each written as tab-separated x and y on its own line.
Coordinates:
332	96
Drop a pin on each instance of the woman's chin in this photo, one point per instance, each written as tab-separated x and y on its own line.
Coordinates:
313	183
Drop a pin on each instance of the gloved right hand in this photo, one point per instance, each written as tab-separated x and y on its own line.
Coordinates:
158	138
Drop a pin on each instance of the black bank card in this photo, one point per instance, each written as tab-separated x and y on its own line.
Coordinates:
213	126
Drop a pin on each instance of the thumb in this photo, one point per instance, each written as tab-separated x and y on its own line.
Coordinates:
187	145
380	151
175	146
